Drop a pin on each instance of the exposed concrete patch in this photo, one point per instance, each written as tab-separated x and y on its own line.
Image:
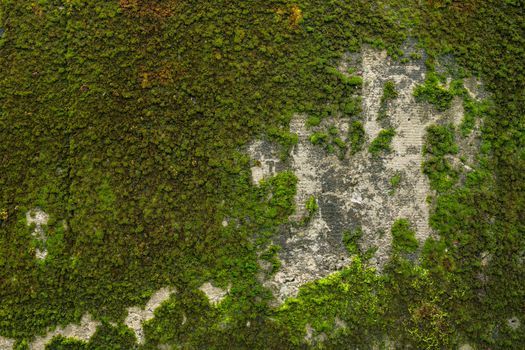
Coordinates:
309	333
475	88
309	338
266	160
486	257
379	209
303	158
136	316
356	191
83	331
340	323
6	343
214	294
456	111
309	254
514	323
39	218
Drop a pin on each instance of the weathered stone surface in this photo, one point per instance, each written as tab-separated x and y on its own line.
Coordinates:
83	331
214	294
136	316
356	191
6	343
514	323
39	218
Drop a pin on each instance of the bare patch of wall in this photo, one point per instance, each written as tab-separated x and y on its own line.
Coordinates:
137	316
83	331
6	343
356	191
214	294
39	218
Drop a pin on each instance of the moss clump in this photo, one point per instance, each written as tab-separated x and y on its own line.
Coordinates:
389	93
381	144
433	92
313	121
352	107
356	136
404	238
351	240
311	205
319	138
271	255
349	297
395	180
440	142
330	141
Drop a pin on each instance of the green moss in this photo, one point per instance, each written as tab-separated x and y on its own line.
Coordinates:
474	111
284	138
271	255
313	121
352	107
433	92
311	205
351	240
403	237
381	144
349	295
395	180
131	144
318	138
61	343
440	142
339	143
356	136
389	91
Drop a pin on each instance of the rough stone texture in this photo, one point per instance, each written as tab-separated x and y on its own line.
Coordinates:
475	88
267	161
356	191
466	347
214	294
84	331
312	339
6	343
136	317
313	251
514	323
39	218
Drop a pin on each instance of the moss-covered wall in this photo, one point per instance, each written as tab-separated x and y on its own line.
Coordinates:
124	122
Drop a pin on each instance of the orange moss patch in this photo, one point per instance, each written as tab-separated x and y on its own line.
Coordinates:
293	14
296	15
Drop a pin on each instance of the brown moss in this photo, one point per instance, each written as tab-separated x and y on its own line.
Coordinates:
296	16
164	75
